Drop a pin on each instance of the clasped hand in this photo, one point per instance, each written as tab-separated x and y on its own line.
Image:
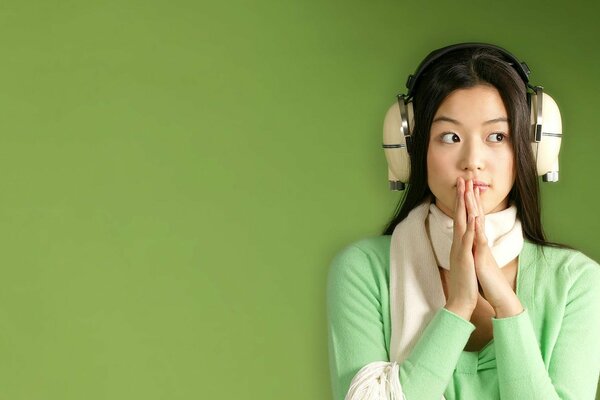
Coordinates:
474	275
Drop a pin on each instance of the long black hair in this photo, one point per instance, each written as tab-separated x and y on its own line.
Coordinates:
466	68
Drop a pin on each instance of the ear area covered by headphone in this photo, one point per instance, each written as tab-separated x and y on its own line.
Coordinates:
546	128
545	133
397	128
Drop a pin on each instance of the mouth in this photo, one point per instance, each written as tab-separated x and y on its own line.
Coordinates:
481	185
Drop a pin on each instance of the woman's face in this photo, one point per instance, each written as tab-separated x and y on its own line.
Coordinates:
470	138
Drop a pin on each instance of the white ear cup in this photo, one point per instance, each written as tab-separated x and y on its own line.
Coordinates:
395	127
546	126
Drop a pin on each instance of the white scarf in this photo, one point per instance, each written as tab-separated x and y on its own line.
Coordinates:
419	244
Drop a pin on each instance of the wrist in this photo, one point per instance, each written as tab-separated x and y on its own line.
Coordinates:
460	310
509	310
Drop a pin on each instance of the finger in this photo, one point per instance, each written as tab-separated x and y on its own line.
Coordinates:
460	214
470	200
480	206
480	237
469	236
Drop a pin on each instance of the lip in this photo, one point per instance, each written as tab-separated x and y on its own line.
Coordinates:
481	185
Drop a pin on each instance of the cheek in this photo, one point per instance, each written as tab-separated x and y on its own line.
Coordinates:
431	169
505	168
509	162
438	173
437	164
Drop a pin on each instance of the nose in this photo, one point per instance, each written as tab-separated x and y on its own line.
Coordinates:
472	156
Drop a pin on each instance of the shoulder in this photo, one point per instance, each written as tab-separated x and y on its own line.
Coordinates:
365	261
574	269
568	261
367	253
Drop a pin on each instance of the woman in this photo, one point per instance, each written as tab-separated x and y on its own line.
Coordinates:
463	297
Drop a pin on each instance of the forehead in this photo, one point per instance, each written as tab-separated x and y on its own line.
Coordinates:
470	106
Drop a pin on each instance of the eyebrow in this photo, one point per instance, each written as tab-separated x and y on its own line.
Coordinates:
453	121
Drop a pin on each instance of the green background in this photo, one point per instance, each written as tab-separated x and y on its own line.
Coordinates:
176	177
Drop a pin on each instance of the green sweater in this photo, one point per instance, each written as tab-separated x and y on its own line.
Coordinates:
549	351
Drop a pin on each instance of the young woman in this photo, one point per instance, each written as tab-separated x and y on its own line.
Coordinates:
463	297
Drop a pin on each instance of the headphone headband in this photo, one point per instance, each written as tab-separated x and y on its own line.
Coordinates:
521	68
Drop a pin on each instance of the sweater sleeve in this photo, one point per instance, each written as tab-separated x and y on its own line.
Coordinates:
573	369
356	331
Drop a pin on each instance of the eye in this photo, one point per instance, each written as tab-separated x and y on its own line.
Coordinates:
497	137
450	138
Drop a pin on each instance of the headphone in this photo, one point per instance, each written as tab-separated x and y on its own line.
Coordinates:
545	133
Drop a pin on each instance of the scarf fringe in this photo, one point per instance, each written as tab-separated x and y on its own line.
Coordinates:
378	380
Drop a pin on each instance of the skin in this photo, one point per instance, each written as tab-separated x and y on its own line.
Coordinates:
464	143
470	140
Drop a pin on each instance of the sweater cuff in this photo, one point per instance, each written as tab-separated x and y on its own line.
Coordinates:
516	346
446	334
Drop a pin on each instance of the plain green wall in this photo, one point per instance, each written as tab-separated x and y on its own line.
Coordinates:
176	177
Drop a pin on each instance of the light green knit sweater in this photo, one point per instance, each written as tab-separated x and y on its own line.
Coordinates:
550	351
